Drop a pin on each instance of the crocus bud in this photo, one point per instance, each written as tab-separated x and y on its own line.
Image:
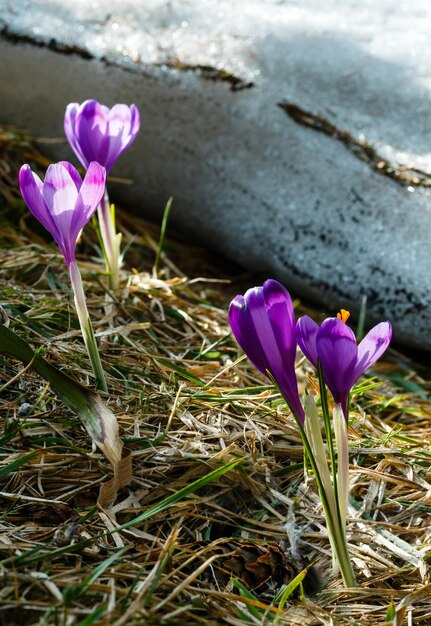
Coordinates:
97	133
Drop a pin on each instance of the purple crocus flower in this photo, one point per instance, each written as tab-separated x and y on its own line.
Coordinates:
63	203
97	133
342	360
263	323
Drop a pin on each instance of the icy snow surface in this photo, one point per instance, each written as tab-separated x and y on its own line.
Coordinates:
352	43
247	179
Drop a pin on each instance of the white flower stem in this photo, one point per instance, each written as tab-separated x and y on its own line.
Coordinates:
86	326
342	444
311	437
313	443
110	241
314	435
328	430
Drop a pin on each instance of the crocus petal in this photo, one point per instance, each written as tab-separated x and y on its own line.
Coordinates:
91	131
125	121
93	185
337	352
60	195
89	196
281	316
31	190
371	348
69	121
263	323
70	131
265	333
115	146
135	121
73	172
245	333
118	120
306	332
123	124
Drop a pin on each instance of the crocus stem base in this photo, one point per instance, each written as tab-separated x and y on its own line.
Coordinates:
335	526
335	512
86	326
110	241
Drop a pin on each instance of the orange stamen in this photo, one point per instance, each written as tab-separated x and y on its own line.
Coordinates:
343	315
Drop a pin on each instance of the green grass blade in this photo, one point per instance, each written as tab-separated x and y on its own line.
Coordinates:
245	593
35	554
181	493
360	329
391	613
163	229
16	464
255	611
180	371
38	553
75	592
94	616
98	419
283	596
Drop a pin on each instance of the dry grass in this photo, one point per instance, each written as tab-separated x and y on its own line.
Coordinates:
186	404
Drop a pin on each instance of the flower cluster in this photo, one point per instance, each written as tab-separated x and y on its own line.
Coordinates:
263	323
263	320
64	203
